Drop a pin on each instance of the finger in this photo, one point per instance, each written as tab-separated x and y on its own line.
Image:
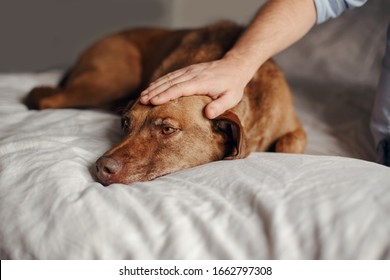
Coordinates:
163	88
164	79
185	88
219	106
170	83
151	93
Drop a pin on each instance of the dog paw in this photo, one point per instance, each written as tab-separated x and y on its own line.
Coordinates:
39	98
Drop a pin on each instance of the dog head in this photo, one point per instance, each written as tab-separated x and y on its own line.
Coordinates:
162	139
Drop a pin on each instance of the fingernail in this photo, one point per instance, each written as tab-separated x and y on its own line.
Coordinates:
212	113
144	98
145	92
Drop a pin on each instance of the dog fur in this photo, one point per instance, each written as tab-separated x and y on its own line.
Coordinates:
162	139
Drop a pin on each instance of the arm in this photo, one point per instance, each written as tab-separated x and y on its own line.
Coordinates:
277	25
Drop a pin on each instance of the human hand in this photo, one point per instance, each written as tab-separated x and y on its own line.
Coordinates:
220	79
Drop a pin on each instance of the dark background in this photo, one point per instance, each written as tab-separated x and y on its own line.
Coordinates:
37	35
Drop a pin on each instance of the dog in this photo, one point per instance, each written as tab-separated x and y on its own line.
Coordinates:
163	139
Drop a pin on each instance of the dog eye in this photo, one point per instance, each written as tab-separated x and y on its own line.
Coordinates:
168	130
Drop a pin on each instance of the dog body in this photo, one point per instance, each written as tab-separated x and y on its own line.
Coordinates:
166	138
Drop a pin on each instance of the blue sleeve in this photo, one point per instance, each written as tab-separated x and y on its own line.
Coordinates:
327	9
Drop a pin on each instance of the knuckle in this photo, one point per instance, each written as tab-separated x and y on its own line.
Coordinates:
176	87
192	70
169	76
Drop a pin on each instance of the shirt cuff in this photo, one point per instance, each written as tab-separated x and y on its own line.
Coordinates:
327	9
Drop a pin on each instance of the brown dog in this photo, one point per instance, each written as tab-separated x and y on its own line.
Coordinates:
162	139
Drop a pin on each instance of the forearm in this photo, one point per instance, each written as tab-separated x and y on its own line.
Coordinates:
277	25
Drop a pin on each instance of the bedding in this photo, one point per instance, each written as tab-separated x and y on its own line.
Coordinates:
266	206
331	203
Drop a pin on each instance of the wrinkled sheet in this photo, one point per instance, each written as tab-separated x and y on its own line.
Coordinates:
331	203
326	204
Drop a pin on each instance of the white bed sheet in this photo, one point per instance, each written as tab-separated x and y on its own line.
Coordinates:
272	206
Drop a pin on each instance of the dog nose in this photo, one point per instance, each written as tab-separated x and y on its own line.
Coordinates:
106	167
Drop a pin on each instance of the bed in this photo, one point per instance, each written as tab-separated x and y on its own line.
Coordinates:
333	202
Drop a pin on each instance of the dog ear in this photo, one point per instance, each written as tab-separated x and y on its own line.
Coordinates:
229	124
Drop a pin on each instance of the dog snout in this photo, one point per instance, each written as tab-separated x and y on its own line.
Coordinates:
106	168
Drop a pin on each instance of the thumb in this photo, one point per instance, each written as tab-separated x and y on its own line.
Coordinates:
219	106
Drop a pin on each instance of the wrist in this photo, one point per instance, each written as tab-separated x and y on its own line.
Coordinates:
245	65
